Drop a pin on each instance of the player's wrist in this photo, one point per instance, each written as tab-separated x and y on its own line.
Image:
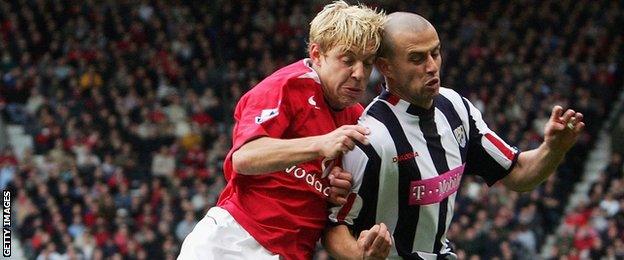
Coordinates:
316	146
552	152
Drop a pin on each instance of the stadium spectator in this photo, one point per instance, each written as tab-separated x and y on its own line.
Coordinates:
186	226
595	227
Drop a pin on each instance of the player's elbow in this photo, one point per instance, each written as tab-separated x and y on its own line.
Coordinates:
518	185
241	163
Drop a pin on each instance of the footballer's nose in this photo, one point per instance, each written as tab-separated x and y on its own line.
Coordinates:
357	71
431	65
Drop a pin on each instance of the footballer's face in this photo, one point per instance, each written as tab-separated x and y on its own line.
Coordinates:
343	74
412	69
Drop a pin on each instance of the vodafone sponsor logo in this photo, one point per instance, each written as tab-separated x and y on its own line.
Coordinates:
309	177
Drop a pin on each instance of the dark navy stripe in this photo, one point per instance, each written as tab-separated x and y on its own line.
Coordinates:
474	140
473	132
438	156
407	221
368	190
478	161
420	112
447	108
434	144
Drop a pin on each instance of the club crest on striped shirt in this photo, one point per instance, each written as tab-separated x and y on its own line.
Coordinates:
460	135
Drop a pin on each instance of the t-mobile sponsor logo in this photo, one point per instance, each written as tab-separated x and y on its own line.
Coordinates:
418	191
309	177
6	223
434	190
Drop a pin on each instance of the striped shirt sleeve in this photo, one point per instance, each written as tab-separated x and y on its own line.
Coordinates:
354	162
488	155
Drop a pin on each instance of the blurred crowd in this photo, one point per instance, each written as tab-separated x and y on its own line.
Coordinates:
129	105
593	229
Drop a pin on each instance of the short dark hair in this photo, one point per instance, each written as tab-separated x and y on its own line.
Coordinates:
385	48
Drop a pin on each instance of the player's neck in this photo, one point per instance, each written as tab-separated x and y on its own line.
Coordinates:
331	104
425	103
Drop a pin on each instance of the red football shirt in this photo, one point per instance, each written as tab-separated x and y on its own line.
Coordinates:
285	211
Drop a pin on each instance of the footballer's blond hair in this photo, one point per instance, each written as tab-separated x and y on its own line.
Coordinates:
349	27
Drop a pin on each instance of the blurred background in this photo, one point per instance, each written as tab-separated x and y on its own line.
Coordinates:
116	117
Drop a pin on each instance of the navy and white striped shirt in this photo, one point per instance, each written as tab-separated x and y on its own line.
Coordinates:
408	176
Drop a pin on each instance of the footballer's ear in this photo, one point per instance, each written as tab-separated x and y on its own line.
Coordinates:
315	54
383	66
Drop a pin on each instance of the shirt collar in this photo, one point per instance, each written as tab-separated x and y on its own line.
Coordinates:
406	106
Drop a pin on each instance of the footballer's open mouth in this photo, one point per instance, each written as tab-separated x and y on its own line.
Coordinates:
353	91
434	82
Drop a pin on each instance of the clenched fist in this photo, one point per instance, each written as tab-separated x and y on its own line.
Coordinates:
375	243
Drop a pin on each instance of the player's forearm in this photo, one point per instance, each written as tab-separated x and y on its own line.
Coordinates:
532	168
340	244
266	155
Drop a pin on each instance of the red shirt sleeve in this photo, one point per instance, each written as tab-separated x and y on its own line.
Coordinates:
260	113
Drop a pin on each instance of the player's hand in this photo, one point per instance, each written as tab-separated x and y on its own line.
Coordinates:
375	243
340	182
563	129
340	141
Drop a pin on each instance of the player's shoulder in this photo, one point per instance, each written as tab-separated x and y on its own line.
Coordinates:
379	133
296	71
301	78
293	77
450	94
457	100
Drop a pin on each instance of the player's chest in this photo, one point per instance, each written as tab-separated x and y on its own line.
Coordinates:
315	120
428	167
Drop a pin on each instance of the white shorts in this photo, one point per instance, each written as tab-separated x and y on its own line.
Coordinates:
219	236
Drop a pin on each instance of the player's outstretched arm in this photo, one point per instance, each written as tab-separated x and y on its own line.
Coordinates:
374	243
265	154
560	133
